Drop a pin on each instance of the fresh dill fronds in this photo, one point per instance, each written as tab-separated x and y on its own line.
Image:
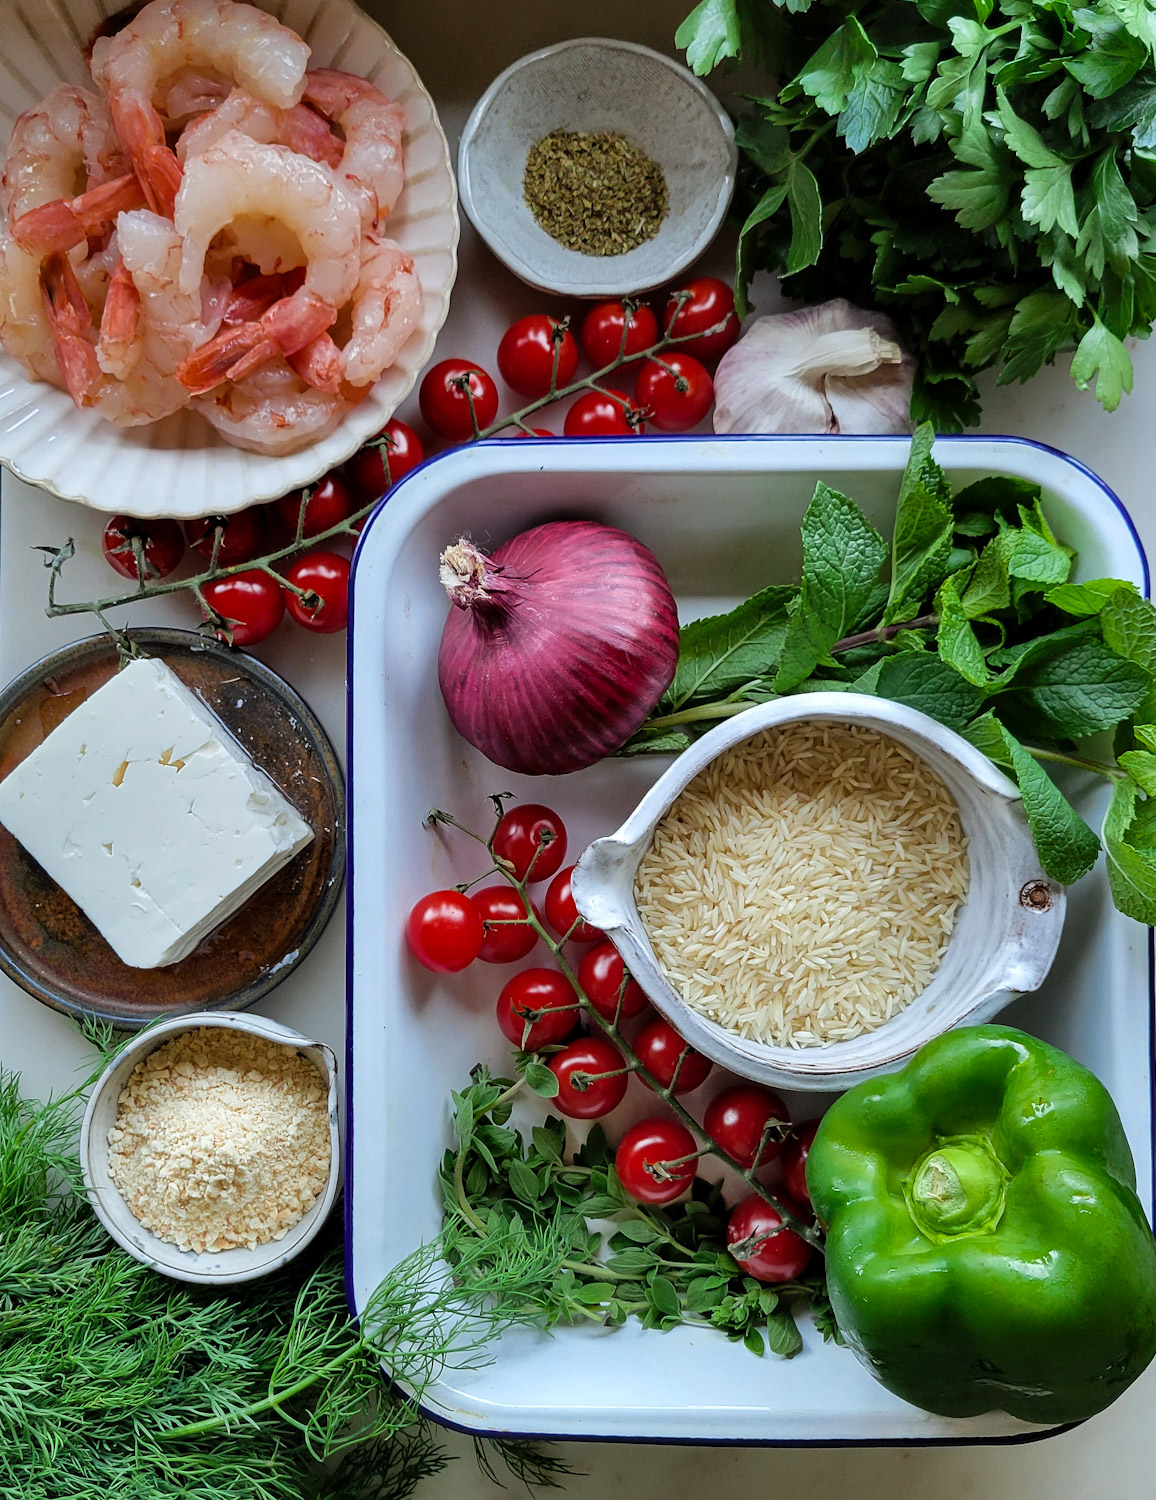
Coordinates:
532	1464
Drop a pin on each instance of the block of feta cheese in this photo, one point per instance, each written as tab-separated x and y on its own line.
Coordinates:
149	814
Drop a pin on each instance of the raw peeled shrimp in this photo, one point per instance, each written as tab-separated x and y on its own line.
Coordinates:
300	128
240	178
384	312
372	165
213	37
273	410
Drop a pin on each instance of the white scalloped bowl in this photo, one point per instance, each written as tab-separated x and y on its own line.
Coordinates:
182	467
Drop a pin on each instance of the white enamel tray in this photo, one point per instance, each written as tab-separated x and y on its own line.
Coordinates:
722	515
182	467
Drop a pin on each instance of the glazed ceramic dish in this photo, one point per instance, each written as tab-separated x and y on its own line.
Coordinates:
219	1268
722	515
1003	942
594	84
182	467
47	944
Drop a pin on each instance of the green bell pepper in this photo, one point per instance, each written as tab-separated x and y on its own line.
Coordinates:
985	1245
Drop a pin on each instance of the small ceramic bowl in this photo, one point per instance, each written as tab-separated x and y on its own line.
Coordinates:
210	1268
594	84
1002	945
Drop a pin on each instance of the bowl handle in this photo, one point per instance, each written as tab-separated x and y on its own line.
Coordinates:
602	883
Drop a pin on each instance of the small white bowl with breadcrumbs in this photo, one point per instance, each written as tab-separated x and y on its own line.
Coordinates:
210	1146
821	885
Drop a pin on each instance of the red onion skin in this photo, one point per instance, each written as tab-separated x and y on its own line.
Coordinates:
571	647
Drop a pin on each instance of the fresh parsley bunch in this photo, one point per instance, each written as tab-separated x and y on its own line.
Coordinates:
974	622
983	169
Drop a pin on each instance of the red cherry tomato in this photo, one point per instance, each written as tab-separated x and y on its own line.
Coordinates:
584	1089
326	575
163	543
445	405
252	604
530	834
794	1160
600	977
602	332
329	503
737	1118
535	432
762	1252
677	401
509	935
659	1048
527	352
533	990
710	302
397	445
649	1160
562	914
598	415
242	536
444	931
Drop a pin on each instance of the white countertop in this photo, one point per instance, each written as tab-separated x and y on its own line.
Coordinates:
458	48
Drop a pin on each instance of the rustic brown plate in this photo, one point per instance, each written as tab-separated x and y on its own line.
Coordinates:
47	944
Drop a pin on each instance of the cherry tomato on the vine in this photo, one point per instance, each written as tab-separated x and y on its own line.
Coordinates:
765	1251
649	1160
530	834
710	302
526	355
326	575
562	914
597	414
660	1049
509	935
444	931
251	603
445	405
794	1160
600	976
676	389
329	503
242	536
739	1117
602	329
591	1076
533	990
535	432
163	543
396	444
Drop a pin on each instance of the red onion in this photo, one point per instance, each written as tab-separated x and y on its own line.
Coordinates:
560	645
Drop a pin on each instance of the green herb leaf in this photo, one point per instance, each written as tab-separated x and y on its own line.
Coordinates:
980	197
1066	845
753	1339
842	557
783	1335
1131	854
1141	767
1129	625
1085	599
931	685
722	653
710	35
1077	689
987	735
958	643
831	73
873	105
663	1297
1100	356
1113	57
539	1078
806	218
921	544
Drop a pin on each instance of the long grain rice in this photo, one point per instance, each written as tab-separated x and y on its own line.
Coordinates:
803	888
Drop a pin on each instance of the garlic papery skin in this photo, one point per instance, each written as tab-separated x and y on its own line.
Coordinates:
830	368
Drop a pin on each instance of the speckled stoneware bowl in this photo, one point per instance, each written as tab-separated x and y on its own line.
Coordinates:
182	467
595	84
207	1269
1002	945
50	948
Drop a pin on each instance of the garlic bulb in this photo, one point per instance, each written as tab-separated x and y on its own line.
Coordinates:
831	368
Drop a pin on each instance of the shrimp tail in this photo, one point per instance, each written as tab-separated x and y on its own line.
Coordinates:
71	322
287	326
118	350
319	364
206	367
160	174
67	222
142	135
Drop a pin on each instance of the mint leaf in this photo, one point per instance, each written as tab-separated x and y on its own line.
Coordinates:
933	686
1088	598
830	74
720	654
1066	845
806	218
990	586
997	495
710	35
1141	767
921	544
987	735
958	643
1131	856
1100	356
1146	734
1074	691
842	556
1129	625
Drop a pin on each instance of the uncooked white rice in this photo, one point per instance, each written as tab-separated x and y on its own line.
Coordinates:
804	886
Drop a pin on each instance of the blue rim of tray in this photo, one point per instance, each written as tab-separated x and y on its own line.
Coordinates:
519	1434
